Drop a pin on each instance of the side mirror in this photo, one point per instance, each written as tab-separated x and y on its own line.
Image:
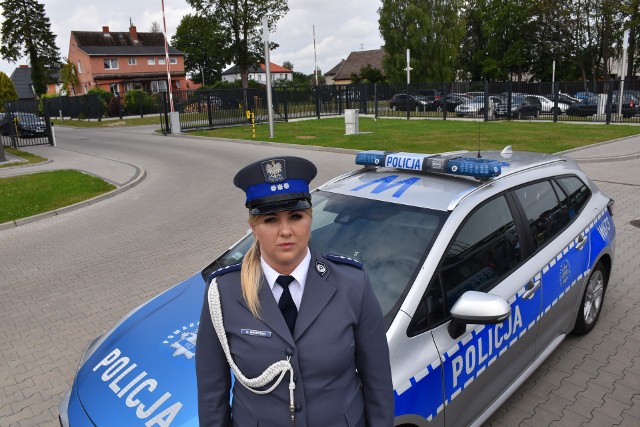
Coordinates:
477	308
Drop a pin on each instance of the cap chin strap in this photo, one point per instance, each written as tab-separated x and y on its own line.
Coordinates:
277	370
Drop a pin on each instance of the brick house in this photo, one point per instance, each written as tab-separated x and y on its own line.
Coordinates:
21	78
123	61
258	73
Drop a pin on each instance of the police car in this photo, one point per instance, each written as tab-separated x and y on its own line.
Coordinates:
482	266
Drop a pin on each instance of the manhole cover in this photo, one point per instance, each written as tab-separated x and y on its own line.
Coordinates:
635	223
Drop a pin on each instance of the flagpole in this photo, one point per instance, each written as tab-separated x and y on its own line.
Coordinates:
166	54
315	56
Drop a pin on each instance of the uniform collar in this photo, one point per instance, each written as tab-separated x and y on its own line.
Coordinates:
299	273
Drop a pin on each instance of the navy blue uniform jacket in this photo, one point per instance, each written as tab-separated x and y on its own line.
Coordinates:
338	350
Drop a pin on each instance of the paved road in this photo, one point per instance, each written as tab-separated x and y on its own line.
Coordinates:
66	279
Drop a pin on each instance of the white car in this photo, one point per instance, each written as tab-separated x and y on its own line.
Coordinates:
475	106
548	107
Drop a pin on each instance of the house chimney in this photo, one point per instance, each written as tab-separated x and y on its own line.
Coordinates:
133	33
24	66
105	29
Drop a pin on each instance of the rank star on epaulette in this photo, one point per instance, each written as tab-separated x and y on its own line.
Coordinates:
321	268
274	170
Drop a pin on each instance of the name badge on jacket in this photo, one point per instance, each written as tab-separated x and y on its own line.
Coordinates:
254	333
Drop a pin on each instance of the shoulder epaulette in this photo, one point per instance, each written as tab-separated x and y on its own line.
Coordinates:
344	260
224	270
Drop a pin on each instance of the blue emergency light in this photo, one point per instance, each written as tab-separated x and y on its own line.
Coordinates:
431	163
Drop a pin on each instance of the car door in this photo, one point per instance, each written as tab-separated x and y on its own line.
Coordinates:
561	250
485	255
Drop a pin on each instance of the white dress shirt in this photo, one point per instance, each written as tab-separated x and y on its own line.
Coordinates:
296	287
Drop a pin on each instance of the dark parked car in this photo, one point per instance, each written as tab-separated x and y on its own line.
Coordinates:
22	124
399	102
521	106
431	94
450	102
589	107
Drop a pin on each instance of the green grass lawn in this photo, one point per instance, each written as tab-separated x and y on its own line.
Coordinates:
152	119
30	158
28	195
432	136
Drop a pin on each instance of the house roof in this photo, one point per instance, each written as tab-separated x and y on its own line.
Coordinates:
21	78
335	69
258	68
121	43
356	60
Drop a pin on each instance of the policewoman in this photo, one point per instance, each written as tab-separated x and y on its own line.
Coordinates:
302	332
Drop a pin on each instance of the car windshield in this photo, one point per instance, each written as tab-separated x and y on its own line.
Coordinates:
476	100
420	97
391	240
27	117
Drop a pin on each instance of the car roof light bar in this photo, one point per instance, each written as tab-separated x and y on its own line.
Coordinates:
446	163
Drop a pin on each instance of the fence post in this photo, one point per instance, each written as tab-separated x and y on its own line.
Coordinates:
99	107
316	94
556	90
375	100
47	120
209	112
444	104
609	101
486	100
13	131
285	101
140	104
119	100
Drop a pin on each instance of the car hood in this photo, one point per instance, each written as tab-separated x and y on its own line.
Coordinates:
143	372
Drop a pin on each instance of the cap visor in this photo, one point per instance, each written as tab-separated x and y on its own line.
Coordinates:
287	205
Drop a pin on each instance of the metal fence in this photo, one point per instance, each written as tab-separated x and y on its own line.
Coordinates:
97	106
202	109
25	123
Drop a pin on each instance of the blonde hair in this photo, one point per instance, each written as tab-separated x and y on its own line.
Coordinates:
251	271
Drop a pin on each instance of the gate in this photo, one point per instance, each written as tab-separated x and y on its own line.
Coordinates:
25	123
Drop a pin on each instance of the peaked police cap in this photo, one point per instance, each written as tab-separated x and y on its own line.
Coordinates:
276	184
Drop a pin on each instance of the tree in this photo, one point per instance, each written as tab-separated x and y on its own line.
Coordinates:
368	74
7	90
26	31
243	20
155	27
431	29
205	45
69	76
288	64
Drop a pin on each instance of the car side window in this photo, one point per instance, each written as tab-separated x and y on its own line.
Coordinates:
545	214
485	249
578	192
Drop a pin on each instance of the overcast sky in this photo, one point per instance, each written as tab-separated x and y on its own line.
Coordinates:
341	26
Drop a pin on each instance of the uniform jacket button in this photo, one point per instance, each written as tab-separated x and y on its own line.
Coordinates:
290	351
298	407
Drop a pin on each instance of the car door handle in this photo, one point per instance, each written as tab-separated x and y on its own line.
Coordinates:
531	288
581	241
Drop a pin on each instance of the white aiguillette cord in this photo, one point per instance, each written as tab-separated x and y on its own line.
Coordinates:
278	369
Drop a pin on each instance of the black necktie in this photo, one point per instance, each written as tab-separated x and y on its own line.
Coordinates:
286	304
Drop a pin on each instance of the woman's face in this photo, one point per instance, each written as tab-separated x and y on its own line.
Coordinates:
283	238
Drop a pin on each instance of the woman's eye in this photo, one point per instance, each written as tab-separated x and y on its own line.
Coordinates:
270	220
296	216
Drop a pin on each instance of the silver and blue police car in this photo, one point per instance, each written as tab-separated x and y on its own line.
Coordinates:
482	267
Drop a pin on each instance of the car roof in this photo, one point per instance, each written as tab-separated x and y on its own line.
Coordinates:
431	190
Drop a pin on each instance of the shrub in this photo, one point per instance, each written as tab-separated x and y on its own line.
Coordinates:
138	100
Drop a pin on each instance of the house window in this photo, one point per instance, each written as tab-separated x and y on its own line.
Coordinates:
79	67
173	60
161	61
151	61
110	64
158	86
113	87
132	61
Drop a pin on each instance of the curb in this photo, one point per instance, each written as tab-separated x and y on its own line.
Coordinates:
139	176
624	157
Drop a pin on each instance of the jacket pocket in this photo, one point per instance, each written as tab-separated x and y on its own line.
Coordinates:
240	418
355	413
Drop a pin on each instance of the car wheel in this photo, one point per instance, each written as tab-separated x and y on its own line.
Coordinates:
417	108
394	108
519	114
439	109
592	299
481	112
557	111
537	114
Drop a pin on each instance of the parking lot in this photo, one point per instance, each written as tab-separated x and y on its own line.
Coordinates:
67	278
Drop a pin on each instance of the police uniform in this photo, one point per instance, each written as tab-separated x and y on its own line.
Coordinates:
337	349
